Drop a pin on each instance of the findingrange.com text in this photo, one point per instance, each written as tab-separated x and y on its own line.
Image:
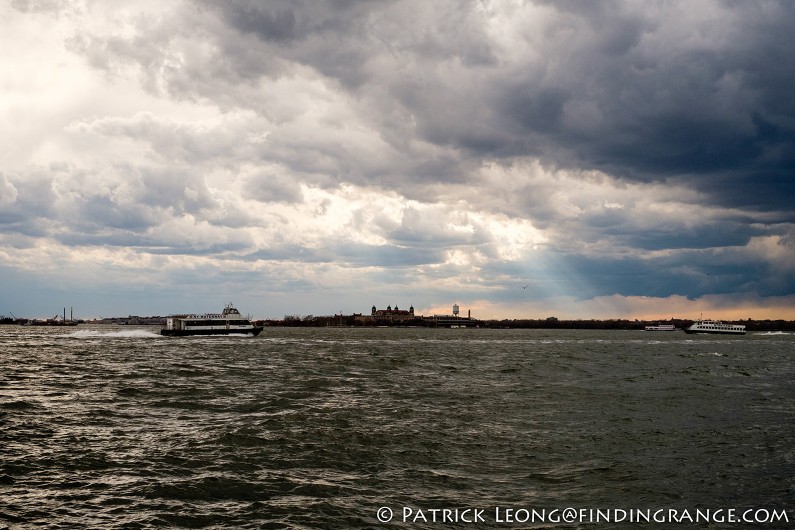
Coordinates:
502	515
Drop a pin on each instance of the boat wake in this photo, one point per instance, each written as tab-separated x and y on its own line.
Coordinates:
132	333
773	333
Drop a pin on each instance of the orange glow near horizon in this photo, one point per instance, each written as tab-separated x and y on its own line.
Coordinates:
629	308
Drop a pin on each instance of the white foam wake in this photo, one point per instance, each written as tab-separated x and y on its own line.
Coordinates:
131	333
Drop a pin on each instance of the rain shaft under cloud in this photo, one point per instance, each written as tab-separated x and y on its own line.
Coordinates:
618	159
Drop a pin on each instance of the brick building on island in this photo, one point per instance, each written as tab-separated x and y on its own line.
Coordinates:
390	315
402	317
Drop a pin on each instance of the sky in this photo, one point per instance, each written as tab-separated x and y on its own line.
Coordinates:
615	159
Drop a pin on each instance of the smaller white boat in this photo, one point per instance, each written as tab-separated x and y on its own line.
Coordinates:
715	327
661	327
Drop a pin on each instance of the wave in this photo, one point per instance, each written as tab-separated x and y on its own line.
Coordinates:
773	333
131	333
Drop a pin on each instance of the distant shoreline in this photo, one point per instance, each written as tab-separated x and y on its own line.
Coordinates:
351	321
547	323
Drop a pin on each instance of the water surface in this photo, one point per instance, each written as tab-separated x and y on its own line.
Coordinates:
117	427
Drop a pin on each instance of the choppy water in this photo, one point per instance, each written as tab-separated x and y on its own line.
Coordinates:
112	427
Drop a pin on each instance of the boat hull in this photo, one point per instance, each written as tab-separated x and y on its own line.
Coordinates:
712	332
211	332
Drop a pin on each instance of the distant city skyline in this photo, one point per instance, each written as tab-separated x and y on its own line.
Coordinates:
577	160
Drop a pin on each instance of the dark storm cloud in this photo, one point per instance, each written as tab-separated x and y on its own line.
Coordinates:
273	188
28	204
322	34
104	213
619	229
641	91
270	24
713	113
692	273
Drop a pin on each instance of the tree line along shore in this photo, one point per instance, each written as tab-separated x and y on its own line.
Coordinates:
751	325
524	323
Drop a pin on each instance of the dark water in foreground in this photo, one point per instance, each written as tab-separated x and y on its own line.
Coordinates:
112	427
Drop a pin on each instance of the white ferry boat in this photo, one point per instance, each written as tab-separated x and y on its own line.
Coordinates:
715	326
661	327
229	322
